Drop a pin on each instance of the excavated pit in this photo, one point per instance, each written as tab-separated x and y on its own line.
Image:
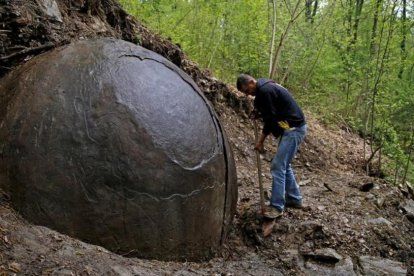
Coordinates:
113	144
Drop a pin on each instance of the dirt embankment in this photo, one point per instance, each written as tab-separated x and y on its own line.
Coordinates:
352	222
33	26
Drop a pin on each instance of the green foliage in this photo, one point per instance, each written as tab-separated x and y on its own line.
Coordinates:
346	59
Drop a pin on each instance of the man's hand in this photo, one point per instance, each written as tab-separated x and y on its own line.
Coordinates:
254	115
260	142
259	147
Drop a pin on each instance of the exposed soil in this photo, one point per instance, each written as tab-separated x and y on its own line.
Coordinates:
340	215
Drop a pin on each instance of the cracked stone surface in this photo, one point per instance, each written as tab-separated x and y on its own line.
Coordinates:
97	142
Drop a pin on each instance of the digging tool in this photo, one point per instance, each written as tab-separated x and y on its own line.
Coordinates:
268	224
259	169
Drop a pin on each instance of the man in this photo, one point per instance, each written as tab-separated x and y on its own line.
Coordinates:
283	118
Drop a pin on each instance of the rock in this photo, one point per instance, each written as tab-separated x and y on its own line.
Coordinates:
380	202
379	266
62	272
310	225
268	156
321	207
313	228
403	190
325	255
305	182
380	220
51	9
183	272
328	187
132	270
249	265
311	266
366	187
344	267
290	255
66	251
408	208
370	196
410	190
96	142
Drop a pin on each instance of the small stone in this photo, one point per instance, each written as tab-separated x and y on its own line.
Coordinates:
57	238
380	220
410	189
305	182
88	269
328	187
310	225
325	254
369	196
268	156
290	255
321	208
380	202
344	267
379	266
408	209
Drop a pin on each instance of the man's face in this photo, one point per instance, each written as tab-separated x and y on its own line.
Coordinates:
249	88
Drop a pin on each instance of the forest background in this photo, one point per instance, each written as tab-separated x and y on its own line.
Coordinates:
349	62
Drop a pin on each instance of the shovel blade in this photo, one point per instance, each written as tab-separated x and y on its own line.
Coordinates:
267	227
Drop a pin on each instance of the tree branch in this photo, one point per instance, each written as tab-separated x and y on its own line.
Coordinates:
29	51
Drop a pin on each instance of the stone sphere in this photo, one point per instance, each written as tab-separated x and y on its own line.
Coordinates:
111	143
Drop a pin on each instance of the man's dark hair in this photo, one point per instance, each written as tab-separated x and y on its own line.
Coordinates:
242	80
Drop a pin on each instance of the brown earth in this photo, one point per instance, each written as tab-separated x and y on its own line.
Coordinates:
339	215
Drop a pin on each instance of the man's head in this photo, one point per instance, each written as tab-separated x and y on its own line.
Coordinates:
246	84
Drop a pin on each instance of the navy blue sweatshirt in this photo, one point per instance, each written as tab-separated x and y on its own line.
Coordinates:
276	104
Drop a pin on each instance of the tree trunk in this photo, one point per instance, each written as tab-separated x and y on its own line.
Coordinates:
358	11
373	47
315	9
380	67
397	167
293	16
410	151
308	10
380	157
311	7
272	43
365	135
404	38
347	61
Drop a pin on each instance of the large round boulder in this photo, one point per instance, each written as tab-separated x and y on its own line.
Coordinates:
113	144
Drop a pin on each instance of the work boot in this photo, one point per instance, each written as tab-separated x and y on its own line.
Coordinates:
293	203
272	212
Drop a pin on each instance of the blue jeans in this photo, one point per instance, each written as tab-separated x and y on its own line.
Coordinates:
284	182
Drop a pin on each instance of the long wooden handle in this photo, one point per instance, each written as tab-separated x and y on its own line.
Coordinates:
259	168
